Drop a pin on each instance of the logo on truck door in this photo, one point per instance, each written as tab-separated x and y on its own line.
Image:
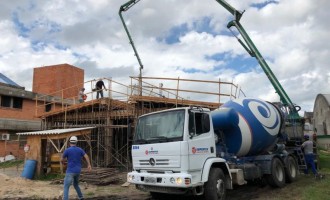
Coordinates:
151	151
199	150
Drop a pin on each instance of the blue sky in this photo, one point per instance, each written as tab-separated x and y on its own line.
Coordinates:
174	39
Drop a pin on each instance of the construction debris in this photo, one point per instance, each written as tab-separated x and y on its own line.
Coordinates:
57	181
100	176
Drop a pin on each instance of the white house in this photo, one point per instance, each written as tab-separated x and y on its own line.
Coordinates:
321	119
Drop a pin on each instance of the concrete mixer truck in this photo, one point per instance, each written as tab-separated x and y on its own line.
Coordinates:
196	151
201	152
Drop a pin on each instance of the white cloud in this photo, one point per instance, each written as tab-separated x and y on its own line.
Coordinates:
292	35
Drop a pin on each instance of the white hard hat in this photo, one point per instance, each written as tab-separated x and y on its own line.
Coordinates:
73	139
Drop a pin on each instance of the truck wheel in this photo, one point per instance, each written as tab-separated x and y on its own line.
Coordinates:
277	176
215	188
291	170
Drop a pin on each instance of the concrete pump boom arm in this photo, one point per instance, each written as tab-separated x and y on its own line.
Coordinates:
253	51
248	46
123	8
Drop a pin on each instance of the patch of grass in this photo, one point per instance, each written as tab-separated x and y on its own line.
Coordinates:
319	189
324	159
11	163
90	194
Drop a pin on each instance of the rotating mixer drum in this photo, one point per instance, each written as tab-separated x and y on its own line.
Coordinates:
250	126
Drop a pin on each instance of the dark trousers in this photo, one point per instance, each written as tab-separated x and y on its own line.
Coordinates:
309	158
99	92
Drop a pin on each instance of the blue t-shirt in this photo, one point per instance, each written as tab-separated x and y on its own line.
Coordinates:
74	155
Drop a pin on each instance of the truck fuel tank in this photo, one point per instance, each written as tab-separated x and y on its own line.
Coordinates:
249	126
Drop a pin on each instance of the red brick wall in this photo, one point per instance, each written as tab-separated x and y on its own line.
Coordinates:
11	146
26	113
52	79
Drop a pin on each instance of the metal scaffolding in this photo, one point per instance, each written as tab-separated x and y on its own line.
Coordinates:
114	117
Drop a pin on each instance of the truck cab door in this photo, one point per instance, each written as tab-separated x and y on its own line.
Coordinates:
201	142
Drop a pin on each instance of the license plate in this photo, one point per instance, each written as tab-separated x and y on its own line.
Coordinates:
150	180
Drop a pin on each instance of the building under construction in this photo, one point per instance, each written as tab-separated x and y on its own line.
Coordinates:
112	119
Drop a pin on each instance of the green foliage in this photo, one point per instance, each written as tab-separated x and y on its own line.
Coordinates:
11	163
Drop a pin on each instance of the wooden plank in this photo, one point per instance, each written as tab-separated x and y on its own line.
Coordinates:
174	101
126	184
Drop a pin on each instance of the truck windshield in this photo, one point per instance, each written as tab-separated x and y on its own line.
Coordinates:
160	127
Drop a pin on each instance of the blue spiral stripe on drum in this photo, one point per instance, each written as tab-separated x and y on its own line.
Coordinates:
257	129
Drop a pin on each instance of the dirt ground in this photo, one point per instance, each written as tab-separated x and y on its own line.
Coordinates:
12	186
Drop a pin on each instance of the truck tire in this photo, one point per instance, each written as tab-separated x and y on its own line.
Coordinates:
291	169
215	188
277	177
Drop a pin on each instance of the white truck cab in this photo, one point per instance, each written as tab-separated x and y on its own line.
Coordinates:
174	152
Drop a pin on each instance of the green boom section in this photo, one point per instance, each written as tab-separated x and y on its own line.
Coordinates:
253	51
123	8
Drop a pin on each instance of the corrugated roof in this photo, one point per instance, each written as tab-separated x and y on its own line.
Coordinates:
4	79
54	131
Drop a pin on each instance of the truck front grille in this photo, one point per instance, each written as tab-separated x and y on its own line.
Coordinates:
158	162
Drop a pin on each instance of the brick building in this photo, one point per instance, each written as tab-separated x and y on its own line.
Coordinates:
18	111
16	114
61	80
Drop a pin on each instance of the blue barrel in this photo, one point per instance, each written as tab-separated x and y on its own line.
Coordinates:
29	168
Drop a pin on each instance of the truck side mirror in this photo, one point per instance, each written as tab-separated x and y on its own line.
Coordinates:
191	134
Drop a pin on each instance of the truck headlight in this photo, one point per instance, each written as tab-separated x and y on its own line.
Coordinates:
130	177
178	181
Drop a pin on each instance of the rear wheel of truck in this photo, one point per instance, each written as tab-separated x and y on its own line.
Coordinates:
277	176
215	188
291	169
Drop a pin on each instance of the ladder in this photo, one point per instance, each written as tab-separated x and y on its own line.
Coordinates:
301	158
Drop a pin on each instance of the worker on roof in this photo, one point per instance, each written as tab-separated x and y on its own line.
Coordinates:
99	88
82	96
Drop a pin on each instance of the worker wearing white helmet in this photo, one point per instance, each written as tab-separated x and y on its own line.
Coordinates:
73	155
73	139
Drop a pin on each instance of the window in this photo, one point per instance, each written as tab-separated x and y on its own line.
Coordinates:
17	102
199	123
160	127
202	123
5	101
48	107
11	102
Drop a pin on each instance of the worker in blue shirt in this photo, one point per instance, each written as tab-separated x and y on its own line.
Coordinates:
309	156
73	155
